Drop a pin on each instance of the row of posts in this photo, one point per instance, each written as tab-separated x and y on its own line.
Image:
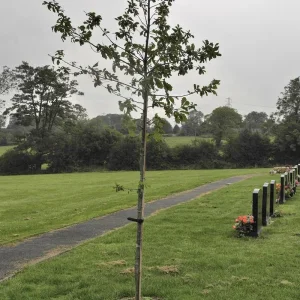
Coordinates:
263	200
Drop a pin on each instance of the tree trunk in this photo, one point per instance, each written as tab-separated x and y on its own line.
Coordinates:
141	188
140	205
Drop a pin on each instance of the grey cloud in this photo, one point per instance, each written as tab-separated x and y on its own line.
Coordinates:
258	40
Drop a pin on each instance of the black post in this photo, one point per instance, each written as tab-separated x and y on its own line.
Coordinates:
291	181
282	189
294	181
296	172
257	211
296	178
272	196
266	205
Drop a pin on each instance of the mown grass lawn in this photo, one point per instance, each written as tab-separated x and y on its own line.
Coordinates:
173	141
34	204
190	253
3	149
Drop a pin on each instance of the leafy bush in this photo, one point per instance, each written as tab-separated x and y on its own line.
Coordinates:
159	156
15	162
201	154
125	154
248	150
83	147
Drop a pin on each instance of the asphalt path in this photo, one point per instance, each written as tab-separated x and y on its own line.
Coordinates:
14	258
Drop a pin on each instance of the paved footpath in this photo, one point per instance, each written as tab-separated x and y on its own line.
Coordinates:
13	258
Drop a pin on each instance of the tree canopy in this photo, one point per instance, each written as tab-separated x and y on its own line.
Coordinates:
254	121
149	50
222	122
288	105
7	80
43	97
192	125
7	83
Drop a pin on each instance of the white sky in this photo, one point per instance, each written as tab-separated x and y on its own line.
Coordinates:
259	41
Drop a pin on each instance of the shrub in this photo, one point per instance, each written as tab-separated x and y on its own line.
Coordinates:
15	162
201	154
159	156
80	149
125	154
248	150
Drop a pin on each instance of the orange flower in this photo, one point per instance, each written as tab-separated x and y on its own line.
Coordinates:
240	218
234	227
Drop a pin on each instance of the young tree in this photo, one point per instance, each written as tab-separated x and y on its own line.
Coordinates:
222	122
147	49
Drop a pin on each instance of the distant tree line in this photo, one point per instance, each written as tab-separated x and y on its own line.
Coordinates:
54	135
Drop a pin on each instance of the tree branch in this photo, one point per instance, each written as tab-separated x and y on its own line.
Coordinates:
101	77
123	61
174	96
115	44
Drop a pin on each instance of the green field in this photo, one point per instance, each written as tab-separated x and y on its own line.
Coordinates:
190	253
3	149
34	204
183	140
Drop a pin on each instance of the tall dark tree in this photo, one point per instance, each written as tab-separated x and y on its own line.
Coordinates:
193	123
269	126
43	98
164	126
287	133
288	105
222	122
176	129
254	121
42	101
149	50
114	121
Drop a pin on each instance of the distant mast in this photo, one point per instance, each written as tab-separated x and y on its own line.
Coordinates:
228	102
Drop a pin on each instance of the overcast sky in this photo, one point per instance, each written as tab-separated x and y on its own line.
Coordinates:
259	42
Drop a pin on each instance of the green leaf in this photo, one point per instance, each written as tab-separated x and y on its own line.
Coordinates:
167	86
158	83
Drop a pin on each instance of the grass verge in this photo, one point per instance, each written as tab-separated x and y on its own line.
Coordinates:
33	204
173	141
3	149
190	253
